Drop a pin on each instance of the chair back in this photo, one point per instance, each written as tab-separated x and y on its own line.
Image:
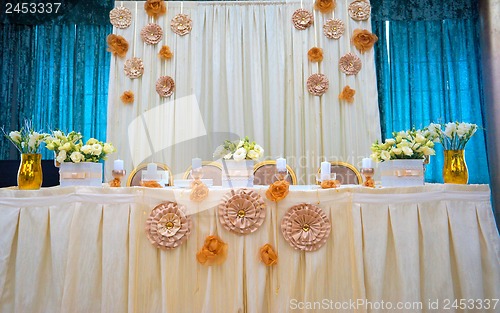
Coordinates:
346	173
134	179
264	173
211	170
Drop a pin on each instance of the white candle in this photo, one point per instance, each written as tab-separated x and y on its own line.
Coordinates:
281	164
196	163
367	163
325	170
152	169
118	165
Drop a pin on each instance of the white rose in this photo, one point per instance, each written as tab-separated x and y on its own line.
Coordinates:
450	129
385	155
108	148
407	151
240	154
65	147
96	149
86	149
15	136
76	157
61	156
259	150
252	154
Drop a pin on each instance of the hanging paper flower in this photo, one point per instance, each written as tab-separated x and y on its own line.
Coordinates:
315	54
302	19
165	86
350	64
268	256
347	94
278	190
317	84
152	33
242	211
117	45
330	183
324	6
359	10
333	28
363	39
168	226
199	191
213	252
155	8
120	17
133	68
165	53
305	227
181	24
127	97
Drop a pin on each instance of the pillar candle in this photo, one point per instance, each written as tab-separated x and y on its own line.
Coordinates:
118	165
196	163
367	163
281	164
325	170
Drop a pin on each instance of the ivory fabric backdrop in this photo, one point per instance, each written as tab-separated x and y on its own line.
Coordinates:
81	249
244	67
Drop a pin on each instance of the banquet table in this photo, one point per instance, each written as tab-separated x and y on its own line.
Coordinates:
432	248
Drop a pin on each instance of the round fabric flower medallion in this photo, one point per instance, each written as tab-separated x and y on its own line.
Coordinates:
302	19
133	68
242	211
151	33
120	17
317	84
359	10
305	227
333	28
181	24
165	86
168	226
350	64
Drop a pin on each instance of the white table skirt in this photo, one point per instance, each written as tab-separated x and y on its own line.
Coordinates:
85	250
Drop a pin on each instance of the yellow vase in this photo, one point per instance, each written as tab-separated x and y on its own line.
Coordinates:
30	174
455	169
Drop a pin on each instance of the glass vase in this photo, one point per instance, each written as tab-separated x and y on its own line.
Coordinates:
455	169
29	176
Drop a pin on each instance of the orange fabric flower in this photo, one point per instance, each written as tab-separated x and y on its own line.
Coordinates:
327	184
117	45
315	54
150	184
155	8
199	191
127	97
363	40
324	6
347	94
165	53
278	190
116	182
213	252
267	255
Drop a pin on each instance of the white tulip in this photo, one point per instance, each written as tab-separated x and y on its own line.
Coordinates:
92	141
65	147
450	129
15	136
240	154
385	155
397	151
462	129
228	156
407	151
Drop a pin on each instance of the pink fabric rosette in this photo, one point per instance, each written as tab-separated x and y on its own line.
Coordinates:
305	227
133	68
350	64
302	19
242	211
120	17
333	28
152	33
181	24
359	10
317	84
165	86
168	226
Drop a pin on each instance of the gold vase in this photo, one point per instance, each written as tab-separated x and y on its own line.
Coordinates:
455	169
30	174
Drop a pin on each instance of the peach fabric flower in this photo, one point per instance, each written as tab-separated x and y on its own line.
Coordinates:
242	211
268	256
347	94
127	97
117	45
327	184
150	184
168	226
315	54
278	190
165	53
302	19
213	252
199	191
317	84
325	6
363	39
359	10
155	8
350	64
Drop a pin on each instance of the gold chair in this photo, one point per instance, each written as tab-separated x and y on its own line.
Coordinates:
134	179
211	170
264	173
346	173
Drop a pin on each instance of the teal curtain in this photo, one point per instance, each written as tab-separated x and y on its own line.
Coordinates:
429	70
55	73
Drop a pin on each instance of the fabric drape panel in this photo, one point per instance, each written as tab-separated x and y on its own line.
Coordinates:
246	67
429	71
55	75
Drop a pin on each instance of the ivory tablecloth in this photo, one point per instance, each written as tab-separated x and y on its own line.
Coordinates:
85	250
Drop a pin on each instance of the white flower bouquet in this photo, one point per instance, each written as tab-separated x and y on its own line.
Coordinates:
26	140
454	135
410	144
239	150
70	148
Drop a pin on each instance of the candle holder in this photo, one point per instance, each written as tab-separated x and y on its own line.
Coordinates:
117	181
281	175
368	174
197	173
